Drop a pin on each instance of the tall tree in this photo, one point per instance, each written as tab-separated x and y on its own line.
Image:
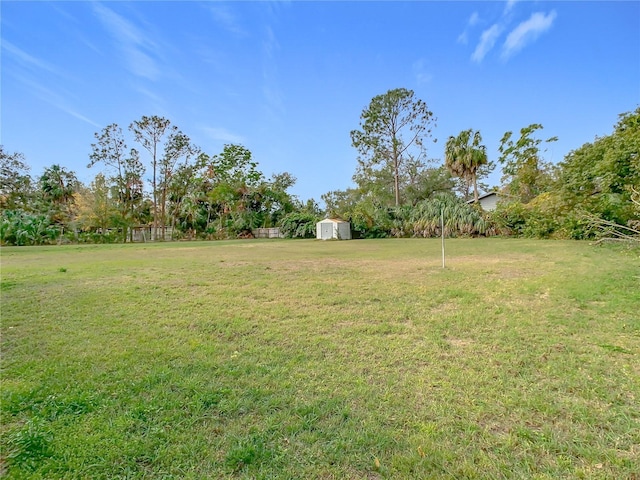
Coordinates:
393	128
464	156
427	182
340	203
231	180
599	178
235	165
133	192
275	201
186	194
97	209
149	132
525	172
15	181
125	168
178	146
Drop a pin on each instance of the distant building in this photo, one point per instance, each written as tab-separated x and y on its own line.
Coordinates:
333	229
488	201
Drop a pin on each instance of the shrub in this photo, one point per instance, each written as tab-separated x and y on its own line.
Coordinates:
510	218
299	225
460	218
21	228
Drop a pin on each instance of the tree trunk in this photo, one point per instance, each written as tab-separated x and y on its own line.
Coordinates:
396	172
155	197
475	188
131	229
163	213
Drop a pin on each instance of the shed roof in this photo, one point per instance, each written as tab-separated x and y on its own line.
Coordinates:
334	220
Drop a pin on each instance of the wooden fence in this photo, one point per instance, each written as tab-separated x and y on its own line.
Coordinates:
145	234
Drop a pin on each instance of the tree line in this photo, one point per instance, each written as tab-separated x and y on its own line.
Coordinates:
194	194
398	190
593	191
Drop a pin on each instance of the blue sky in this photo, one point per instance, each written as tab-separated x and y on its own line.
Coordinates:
289	80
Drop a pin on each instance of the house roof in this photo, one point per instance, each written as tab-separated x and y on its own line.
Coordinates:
484	195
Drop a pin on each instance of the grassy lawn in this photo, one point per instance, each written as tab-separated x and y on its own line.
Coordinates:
321	360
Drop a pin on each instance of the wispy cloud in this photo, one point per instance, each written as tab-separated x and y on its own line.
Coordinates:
473	20
509	6
270	43
487	41
270	88
62	12
79	116
224	17
32	67
54	98
222	135
137	47
527	32
523	34
273	97
26	59
420	72
153	101
149	94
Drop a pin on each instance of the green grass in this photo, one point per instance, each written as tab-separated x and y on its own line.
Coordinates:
321	360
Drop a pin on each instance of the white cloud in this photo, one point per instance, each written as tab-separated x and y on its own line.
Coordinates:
509	6
120	26
222	135
142	64
420	71
273	98
137	47
463	38
271	91
77	115
527	32
54	98
225	18
270	43
487	41
149	94
25	59
27	78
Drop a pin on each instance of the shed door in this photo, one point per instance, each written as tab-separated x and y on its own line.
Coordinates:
326	230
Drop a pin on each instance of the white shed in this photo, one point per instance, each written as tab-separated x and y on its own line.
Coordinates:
331	228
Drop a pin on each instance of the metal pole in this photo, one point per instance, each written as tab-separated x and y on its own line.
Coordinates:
442	230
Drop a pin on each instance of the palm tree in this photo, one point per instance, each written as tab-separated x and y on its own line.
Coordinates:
464	155
58	186
459	218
